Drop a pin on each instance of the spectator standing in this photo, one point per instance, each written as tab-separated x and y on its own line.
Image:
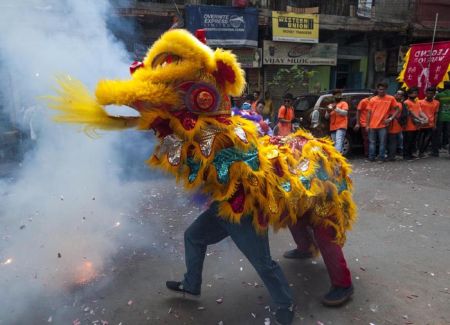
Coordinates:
256	98
263	124
415	119
430	107
378	120
337	114
254	116
443	121
285	116
361	122
268	112
247	104
395	129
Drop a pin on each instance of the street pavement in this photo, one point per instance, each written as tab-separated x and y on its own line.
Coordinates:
398	253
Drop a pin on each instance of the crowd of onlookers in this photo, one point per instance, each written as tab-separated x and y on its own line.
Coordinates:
389	125
260	109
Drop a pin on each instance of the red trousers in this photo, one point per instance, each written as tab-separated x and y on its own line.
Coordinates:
322	238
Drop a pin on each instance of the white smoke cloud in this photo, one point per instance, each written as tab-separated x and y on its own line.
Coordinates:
59	219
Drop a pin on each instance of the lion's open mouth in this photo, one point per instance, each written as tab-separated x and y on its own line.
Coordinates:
161	127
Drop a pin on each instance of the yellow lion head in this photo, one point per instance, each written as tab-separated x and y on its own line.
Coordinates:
180	76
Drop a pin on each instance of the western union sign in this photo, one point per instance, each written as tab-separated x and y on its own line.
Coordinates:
292	27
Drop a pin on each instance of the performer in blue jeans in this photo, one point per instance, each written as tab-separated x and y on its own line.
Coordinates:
210	229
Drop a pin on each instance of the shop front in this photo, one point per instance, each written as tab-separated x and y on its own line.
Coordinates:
251	63
317	59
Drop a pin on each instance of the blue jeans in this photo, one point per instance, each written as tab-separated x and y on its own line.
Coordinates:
381	134
209	229
338	138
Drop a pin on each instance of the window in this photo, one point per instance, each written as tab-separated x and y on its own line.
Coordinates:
302	104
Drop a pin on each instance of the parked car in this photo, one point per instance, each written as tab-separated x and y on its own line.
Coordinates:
310	111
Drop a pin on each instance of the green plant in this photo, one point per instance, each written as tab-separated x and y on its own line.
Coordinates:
292	77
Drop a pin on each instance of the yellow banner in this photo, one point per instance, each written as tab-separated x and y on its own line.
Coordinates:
292	27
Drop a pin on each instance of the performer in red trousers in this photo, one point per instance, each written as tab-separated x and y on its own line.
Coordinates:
310	239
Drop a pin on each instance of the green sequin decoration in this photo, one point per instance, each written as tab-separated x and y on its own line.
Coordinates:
306	182
194	167
322	174
226	157
342	186
286	186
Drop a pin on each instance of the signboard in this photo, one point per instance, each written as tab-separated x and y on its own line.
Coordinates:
225	26
380	61
426	65
249	58
311	10
364	8
292	27
303	54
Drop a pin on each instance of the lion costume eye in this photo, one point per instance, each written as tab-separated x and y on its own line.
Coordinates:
163	59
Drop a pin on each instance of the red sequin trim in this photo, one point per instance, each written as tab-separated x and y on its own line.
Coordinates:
262	219
187	119
237	201
225	119
277	168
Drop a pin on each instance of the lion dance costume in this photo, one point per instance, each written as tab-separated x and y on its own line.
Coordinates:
181	91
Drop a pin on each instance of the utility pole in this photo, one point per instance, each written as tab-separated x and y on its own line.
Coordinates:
432	48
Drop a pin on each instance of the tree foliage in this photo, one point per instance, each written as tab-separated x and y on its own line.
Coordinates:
293	77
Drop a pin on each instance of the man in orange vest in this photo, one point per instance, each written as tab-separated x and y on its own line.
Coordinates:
337	114
416	118
256	99
430	107
378	119
285	116
361	121
394	128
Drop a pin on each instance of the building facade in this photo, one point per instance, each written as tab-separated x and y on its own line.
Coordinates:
358	43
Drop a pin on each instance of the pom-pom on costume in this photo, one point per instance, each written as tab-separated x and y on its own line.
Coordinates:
181	91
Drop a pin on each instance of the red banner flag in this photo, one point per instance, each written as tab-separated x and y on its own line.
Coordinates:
426	66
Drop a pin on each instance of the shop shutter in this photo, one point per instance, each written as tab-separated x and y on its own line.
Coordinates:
252	78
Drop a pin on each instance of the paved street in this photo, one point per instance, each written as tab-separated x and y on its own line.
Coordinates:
398	254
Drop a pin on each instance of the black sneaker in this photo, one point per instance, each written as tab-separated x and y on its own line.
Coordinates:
284	316
178	287
337	296
296	254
